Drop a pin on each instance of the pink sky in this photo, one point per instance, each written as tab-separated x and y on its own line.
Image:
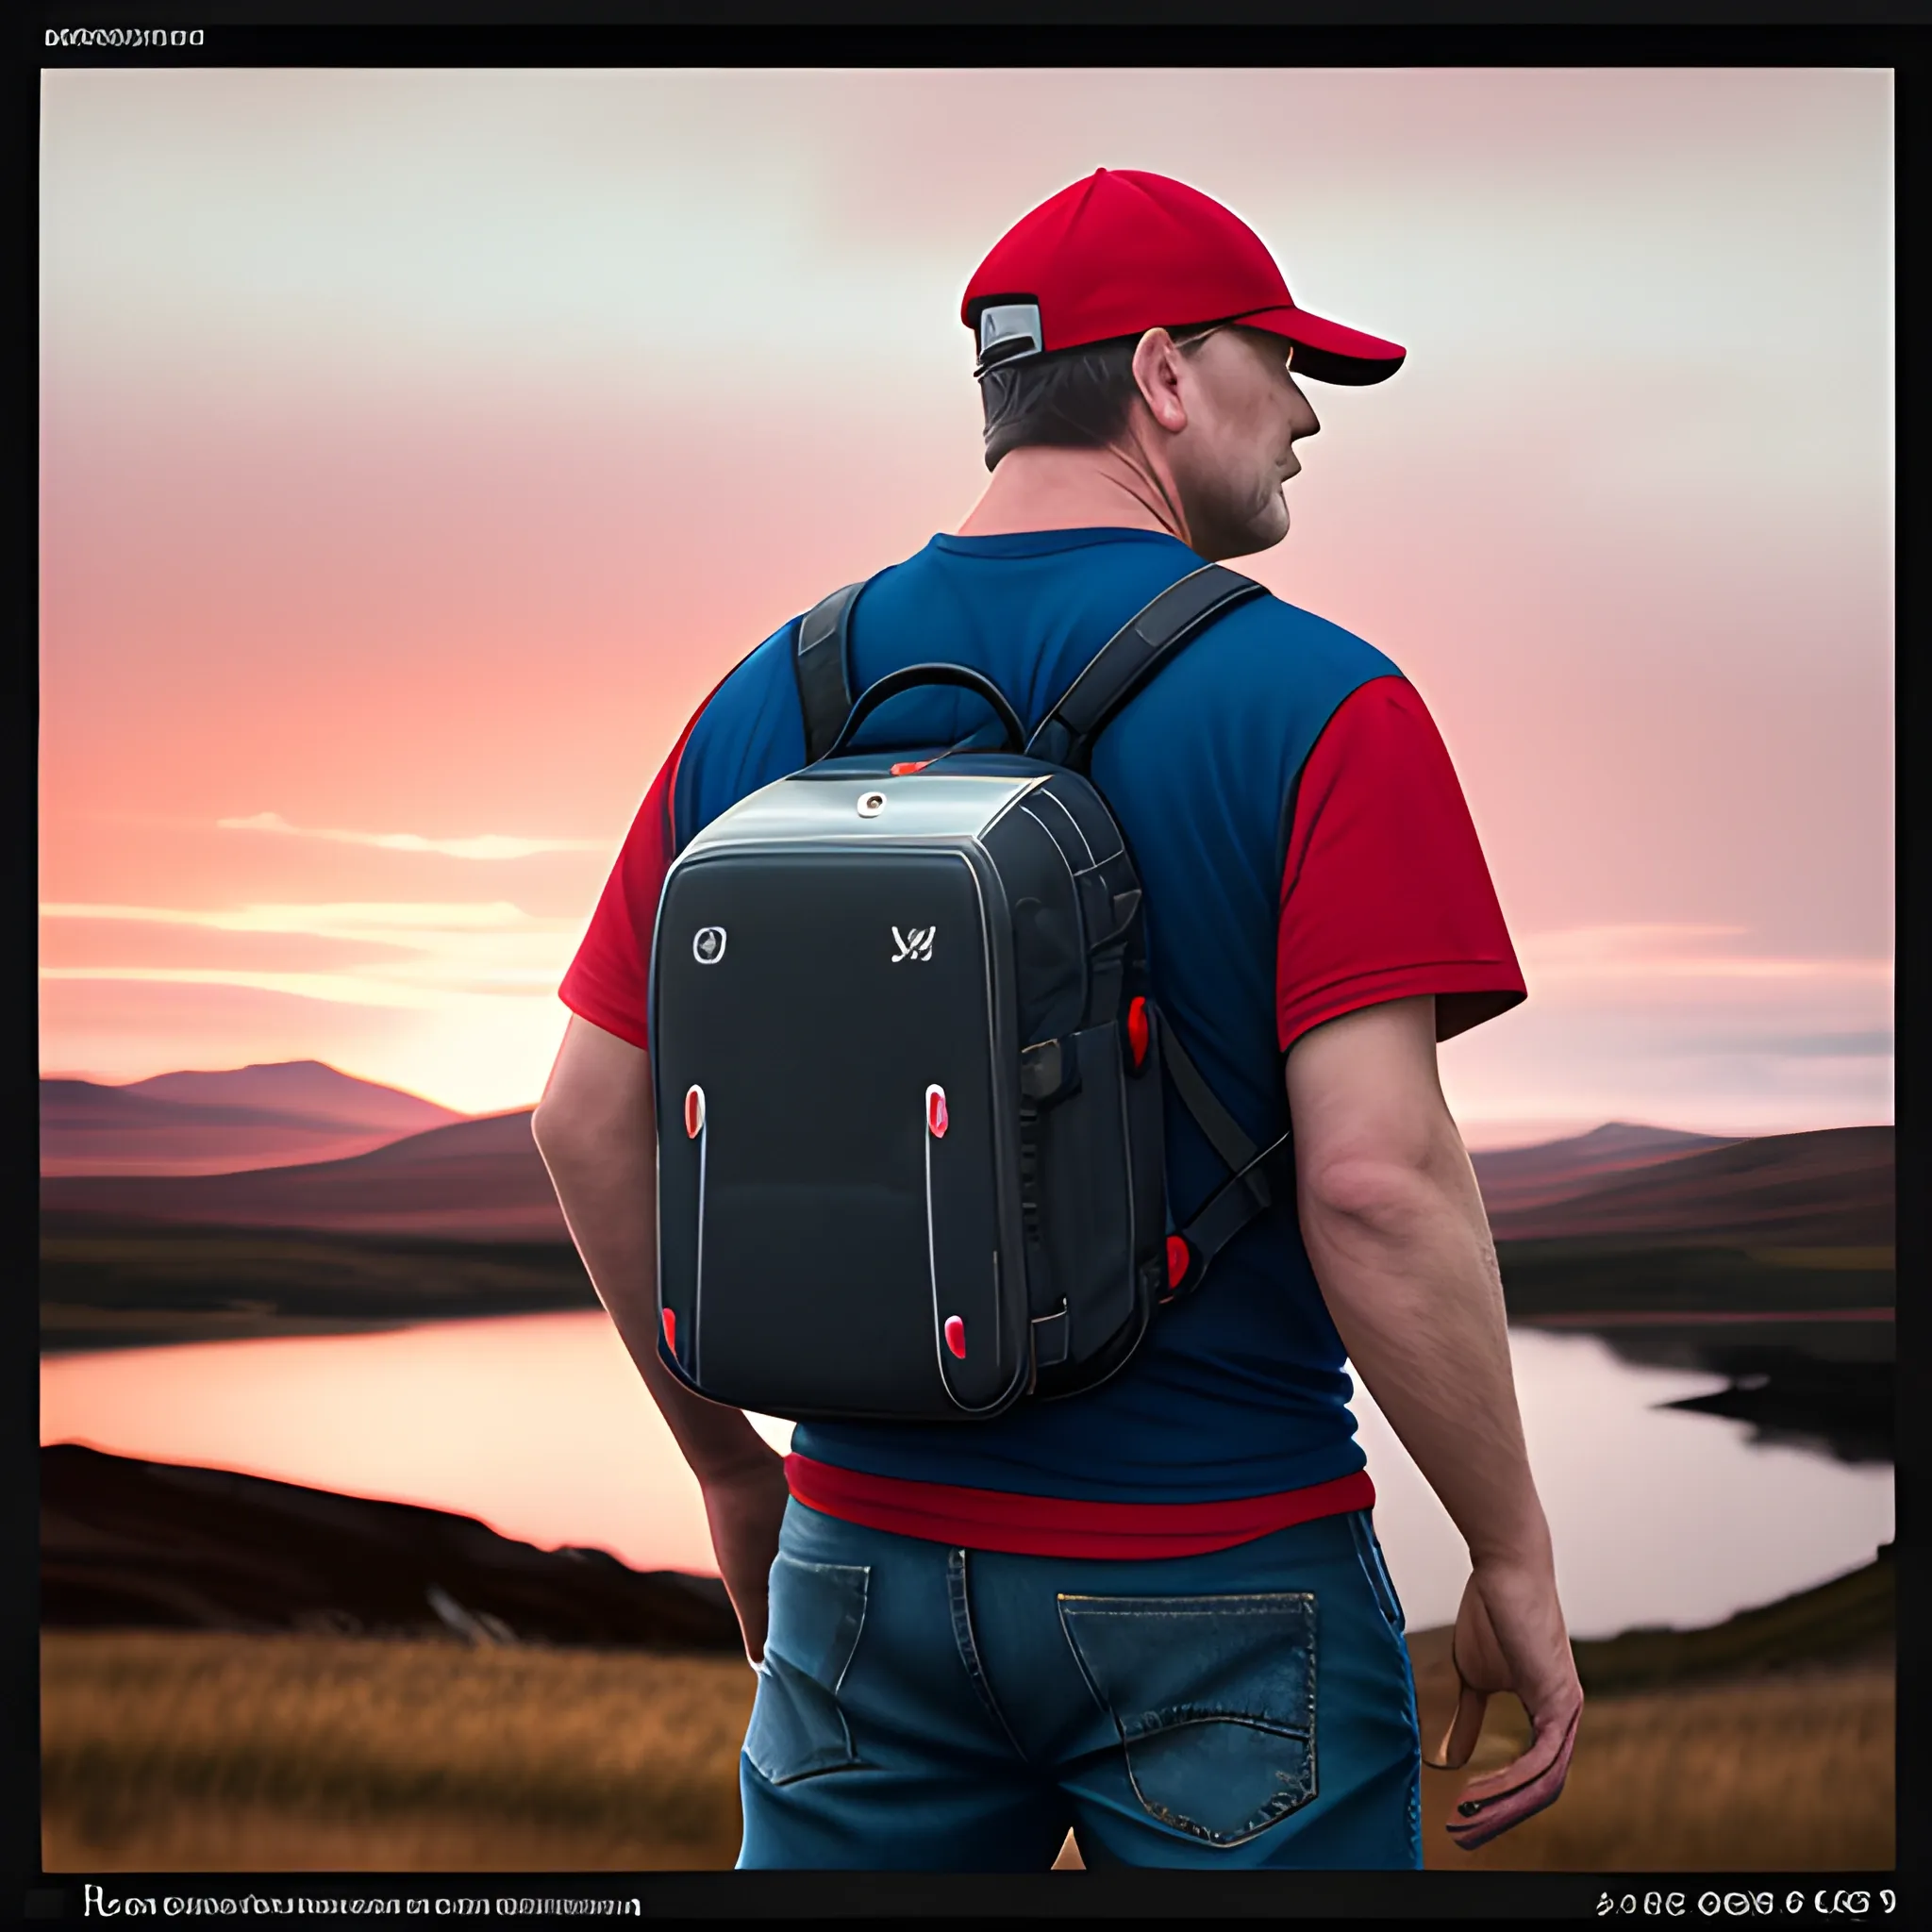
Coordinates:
419	447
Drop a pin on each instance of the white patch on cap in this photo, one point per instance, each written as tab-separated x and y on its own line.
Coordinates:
1007	320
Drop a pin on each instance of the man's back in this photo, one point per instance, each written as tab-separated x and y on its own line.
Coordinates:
1237	1391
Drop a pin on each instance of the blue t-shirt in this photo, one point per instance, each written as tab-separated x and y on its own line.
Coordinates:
1237	1390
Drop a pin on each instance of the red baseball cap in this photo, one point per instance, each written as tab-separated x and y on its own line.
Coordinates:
1122	252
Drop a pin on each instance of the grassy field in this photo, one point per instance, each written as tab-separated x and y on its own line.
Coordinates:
1771	1775
1788	1770
204	1751
207	1752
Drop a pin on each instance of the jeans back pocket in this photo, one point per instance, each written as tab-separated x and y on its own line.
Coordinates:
1213	1698
817	1612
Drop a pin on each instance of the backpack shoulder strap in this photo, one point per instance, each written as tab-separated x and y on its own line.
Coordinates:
1259	1176
1223	1132
819	661
1264	1181
1131	656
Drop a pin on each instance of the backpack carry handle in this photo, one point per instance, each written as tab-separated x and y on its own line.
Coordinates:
1148	639
913	675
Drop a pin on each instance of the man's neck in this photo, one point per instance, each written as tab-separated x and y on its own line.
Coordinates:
1045	488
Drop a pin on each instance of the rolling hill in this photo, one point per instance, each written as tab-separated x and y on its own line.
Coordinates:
1514	1178
284	1114
1833	1189
129	1542
308	1087
474	1180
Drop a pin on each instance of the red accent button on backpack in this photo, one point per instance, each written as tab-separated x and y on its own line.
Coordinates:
670	1329
694	1112
936	1112
1139	1031
955	1336
1180	1257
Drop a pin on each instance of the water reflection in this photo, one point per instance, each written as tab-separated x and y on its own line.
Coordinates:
1660	1515
537	1425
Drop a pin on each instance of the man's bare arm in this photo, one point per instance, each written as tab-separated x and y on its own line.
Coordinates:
1396	1232
596	1130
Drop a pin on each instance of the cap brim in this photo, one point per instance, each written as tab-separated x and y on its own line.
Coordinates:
1325	350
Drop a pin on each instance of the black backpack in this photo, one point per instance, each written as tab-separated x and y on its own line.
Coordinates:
907	1069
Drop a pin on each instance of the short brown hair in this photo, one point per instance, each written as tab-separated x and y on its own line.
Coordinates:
1073	399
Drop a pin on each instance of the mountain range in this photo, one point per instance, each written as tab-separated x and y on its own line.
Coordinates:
423	1172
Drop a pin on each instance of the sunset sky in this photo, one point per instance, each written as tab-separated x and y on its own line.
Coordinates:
419	447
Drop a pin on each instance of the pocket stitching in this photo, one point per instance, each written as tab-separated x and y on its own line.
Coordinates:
1284	1801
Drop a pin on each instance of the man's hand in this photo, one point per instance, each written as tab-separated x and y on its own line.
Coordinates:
1397	1237
745	1507
1509	1636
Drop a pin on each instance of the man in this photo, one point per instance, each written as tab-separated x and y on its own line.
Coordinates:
1155	1612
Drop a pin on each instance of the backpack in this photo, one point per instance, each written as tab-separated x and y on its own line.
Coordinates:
908	1069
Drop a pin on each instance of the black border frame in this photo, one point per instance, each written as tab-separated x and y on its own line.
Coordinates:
1891	34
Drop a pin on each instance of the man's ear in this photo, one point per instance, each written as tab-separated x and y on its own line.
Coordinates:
1157	375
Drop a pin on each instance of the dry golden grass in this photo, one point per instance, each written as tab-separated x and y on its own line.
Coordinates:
204	1751
192	1751
1772	1774
1775	1775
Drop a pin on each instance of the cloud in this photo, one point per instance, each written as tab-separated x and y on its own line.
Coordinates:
1869	1043
335	919
1686	1025
343	989
444	950
1625	955
488	845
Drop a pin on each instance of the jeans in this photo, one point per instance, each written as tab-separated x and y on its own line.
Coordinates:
930	1709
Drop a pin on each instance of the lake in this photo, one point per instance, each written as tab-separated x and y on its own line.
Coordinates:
539	1425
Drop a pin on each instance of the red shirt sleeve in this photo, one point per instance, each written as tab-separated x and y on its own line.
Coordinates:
609	981
1385	894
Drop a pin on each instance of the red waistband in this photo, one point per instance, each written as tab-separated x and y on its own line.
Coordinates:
1063	1525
